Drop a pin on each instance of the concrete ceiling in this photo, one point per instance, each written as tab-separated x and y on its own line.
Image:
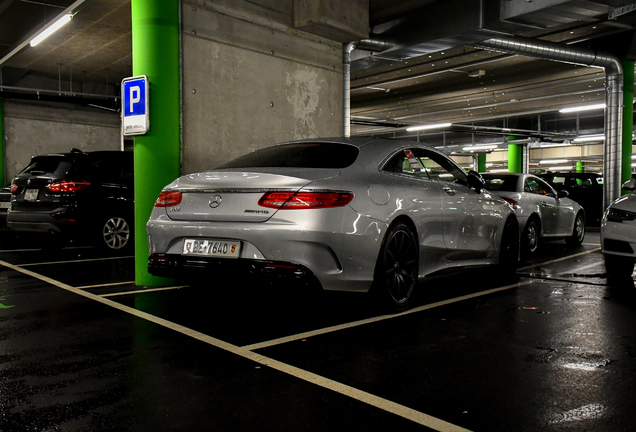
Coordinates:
428	71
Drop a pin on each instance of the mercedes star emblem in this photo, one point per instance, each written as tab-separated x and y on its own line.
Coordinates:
215	201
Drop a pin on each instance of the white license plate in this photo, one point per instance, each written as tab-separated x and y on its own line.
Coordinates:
215	248
5	204
31	194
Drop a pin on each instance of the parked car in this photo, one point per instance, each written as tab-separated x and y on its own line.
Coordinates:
584	188
618	234
87	195
5	203
349	214
543	213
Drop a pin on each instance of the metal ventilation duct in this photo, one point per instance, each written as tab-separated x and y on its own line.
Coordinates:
613	96
548	13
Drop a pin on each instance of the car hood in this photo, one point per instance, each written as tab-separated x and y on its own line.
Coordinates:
626	202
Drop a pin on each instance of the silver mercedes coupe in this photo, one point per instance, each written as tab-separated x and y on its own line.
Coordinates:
350	214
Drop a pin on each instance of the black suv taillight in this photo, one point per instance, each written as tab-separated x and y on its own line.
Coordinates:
67	186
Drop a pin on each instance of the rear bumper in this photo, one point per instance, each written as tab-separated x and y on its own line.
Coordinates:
41	223
196	268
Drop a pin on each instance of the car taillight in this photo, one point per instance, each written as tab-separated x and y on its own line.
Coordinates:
514	204
14	188
67	186
168	199
304	200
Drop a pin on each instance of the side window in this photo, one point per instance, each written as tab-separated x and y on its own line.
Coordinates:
440	167
559	181
536	186
405	162
108	170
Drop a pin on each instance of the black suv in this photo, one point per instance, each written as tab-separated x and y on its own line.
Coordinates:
584	188
76	196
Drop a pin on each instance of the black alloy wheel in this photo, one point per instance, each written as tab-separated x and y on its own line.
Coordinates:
397	268
116	233
578	232
509	249
530	237
619	267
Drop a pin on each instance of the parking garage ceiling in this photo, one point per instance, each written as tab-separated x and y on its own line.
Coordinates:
420	64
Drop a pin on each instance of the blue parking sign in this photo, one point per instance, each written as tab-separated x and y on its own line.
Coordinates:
134	95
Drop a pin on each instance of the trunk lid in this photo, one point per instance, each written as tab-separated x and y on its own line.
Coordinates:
232	195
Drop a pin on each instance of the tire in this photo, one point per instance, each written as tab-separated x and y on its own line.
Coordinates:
578	232
509	250
116	233
619	267
530	238
397	267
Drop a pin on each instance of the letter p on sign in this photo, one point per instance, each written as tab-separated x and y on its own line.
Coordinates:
135	96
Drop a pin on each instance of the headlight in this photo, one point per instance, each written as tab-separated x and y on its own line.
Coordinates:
615	215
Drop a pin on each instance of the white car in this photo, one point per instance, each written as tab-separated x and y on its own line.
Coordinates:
543	213
618	234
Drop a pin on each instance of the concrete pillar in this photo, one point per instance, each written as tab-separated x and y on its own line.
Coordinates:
481	162
580	167
3	181
515	157
628	121
155	41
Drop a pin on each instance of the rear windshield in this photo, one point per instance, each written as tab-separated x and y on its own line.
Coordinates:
56	166
502	183
303	155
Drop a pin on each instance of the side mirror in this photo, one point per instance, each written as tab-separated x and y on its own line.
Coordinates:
630	185
563	194
476	181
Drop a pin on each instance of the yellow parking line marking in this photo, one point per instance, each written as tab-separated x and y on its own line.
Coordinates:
144	291
585	267
345	326
354	393
106	285
75	261
559	259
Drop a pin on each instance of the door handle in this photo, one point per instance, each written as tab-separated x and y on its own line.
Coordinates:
449	191
544	204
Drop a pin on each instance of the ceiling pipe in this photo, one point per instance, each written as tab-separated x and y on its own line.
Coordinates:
613	97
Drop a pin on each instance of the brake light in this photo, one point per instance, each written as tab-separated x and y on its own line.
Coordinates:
67	186
14	188
514	204
304	200
168	199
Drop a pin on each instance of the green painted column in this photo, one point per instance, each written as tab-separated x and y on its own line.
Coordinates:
515	156
628	121
155	53
3	180
580	167
481	162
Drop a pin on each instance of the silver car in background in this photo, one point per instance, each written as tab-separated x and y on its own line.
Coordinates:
349	214
542	212
618	234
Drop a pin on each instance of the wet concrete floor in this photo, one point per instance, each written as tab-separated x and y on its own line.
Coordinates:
84	349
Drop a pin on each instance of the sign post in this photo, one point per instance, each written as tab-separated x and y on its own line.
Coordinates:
135	113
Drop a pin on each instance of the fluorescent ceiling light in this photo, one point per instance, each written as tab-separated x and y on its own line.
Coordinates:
499	170
560	168
554	145
51	29
554	161
589	138
480	147
432	126
582	108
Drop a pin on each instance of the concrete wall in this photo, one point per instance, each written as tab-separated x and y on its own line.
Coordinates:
251	80
38	128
